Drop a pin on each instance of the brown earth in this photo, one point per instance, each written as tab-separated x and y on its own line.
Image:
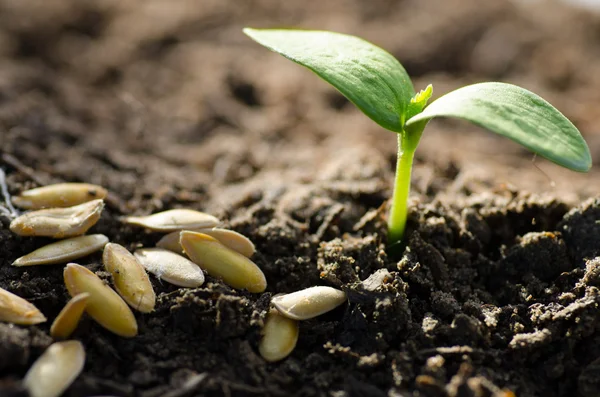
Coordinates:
168	104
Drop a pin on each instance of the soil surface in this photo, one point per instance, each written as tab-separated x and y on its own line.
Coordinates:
167	104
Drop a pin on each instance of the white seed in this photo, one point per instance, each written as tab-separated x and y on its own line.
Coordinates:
234	240
14	309
60	195
65	323
219	261
54	371
172	220
308	303
104	305
130	278
59	222
171	267
280	335
63	251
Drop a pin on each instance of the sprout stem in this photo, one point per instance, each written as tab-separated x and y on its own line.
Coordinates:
407	144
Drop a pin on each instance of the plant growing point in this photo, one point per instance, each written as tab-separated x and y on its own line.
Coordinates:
378	85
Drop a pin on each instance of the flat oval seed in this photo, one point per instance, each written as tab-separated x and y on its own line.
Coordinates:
65	323
308	303
60	195
59	222
171	267
234	240
54	371
104	305
280	335
219	261
14	309
172	220
130	278
63	251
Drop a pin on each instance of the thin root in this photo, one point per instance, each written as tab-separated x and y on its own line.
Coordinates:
7	210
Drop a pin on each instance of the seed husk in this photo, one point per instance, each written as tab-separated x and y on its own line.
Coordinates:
280	335
16	310
54	371
130	278
219	261
63	251
234	240
171	267
308	303
65	323
60	195
104	305
171	220
59	222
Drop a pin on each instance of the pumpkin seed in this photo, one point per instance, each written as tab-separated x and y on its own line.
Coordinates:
130	278
280	335
59	195
104	305
234	240
59	222
171	220
308	303
14	309
169	266
65	323
219	261
54	371
63	251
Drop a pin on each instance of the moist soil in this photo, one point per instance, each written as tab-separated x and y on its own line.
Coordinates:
168	105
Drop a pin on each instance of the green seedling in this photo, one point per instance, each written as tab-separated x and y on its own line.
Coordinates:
377	84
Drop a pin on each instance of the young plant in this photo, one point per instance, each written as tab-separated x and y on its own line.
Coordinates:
377	84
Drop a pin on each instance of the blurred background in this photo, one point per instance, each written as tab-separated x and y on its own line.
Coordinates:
167	101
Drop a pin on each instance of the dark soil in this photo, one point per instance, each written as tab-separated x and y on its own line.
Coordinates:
168	105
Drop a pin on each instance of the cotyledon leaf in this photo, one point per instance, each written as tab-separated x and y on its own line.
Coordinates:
515	113
367	75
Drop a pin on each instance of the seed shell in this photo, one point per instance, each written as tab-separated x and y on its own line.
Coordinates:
63	251
14	309
234	240
130	278
68	318
104	305
219	261
171	267
60	195
54	371
280	335
171	220
59	222
308	303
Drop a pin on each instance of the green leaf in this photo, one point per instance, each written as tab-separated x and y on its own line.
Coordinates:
368	76
517	114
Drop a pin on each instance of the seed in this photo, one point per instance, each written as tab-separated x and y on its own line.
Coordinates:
130	278
68	318
59	222
308	303
104	305
169	266
234	240
54	371
60	195
280	335
63	251
14	309
219	261
172	220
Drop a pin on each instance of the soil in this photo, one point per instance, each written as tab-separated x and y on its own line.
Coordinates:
168	104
